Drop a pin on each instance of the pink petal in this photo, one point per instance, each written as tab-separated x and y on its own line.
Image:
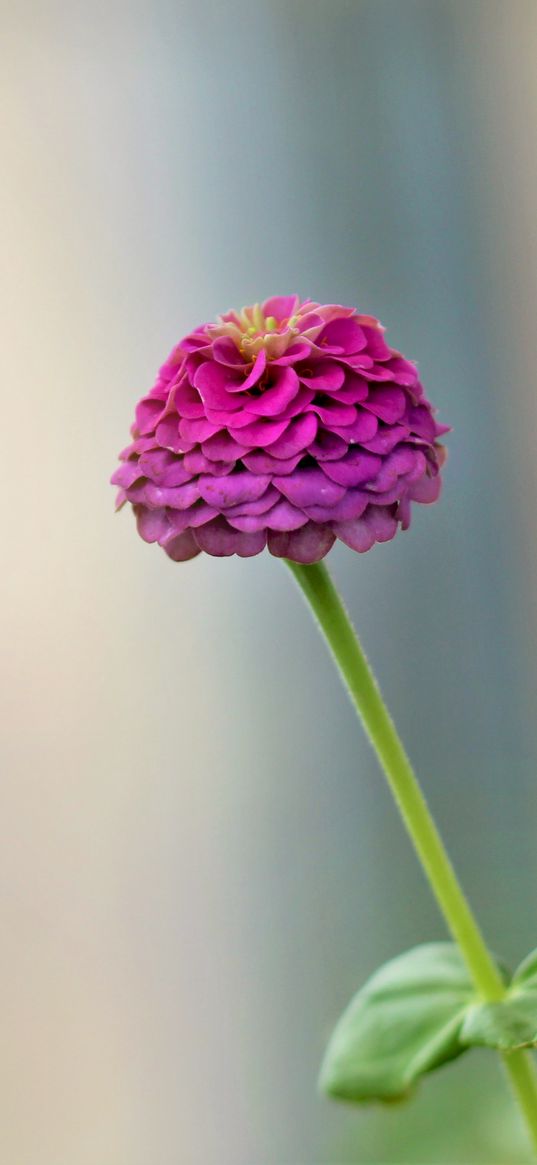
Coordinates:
323	375
342	335
260	432
276	397
215	384
258	369
331	412
376	344
282	307
225	351
298	435
294	353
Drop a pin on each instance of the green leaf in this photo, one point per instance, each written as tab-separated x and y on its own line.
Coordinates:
525	977
511	1023
507	1025
405	1021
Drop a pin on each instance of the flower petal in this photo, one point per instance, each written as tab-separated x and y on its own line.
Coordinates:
183	547
342	335
306	545
232	489
309	487
218	538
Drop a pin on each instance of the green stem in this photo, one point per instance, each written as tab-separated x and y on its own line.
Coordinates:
365	694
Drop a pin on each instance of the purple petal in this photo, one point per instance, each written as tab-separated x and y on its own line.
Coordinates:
352	505
222	418
148	413
164	468
197	515
259	506
222	447
218	538
404	513
355	388
426	490
421	422
355	534
197	430
140	445
126	474
196	462
182	548
284	516
309	487
248	523
387	403
178	498
356	468
402	371
152	524
307	545
386	439
399	462
260	462
233	489
327	447
362	429
298	435
168	435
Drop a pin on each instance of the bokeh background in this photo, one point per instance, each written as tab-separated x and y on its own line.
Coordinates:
200	862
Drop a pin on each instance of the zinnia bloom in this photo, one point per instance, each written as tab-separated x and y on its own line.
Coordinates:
285	425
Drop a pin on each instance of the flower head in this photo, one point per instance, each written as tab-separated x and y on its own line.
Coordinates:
288	425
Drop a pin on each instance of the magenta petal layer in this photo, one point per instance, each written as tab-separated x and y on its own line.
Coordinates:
285	425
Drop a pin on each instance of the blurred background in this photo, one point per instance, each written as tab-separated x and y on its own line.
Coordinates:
200	862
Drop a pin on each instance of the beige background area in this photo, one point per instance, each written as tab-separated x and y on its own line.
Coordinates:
199	863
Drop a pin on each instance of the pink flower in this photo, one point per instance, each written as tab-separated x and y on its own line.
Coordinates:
285	425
